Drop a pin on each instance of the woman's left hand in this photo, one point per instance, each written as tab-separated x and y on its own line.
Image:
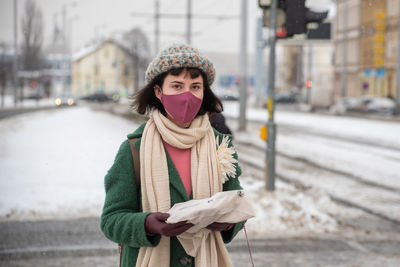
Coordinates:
216	226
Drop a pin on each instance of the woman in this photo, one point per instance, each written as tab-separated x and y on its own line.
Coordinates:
178	162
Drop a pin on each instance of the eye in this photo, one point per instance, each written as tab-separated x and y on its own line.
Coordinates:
196	87
176	86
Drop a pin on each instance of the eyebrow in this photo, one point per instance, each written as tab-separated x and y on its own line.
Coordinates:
183	83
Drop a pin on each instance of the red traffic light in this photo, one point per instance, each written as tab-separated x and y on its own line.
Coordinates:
33	84
309	84
281	33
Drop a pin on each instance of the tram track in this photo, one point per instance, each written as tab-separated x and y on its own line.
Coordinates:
246	149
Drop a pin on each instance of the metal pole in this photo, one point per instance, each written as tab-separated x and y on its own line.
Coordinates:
344	50
398	56
243	67
70	55
260	83
157	27
309	87
15	60
189	22
299	73
271	127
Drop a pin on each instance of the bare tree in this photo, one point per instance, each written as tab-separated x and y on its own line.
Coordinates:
139	48
6	61
32	32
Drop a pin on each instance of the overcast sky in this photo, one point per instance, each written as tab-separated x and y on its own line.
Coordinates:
112	17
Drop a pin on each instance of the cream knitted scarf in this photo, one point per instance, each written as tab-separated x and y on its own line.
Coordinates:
206	181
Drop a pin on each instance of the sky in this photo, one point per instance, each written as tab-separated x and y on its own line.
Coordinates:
111	18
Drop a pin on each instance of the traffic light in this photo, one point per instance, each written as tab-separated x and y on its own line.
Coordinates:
296	18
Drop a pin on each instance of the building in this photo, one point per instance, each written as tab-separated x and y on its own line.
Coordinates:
106	67
56	72
366	48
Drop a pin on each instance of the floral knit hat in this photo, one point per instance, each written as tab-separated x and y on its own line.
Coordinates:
178	56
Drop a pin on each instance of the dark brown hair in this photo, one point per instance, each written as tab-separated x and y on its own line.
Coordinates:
145	99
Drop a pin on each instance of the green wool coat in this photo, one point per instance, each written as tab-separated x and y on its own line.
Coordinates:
122	220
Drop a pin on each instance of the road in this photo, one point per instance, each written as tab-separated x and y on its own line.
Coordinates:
80	243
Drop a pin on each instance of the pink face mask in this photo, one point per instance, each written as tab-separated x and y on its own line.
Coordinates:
182	107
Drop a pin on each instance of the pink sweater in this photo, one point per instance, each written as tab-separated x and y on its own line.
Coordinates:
181	160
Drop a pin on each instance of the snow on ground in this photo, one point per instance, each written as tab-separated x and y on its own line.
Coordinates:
52	166
383	132
288	210
27	103
52	163
370	163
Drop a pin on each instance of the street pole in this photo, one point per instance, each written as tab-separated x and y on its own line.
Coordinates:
299	73
259	78
243	67
157	27
15	60
344	50
189	22
309	87
271	127
398	56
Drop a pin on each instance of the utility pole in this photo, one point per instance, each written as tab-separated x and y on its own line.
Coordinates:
271	127
157	27
243	67
15	60
344	50
398	57
299	74
189	22
309	86
259	78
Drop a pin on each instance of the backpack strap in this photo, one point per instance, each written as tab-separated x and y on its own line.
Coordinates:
136	160
136	167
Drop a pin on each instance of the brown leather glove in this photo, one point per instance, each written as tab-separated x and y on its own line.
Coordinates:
155	224
216	226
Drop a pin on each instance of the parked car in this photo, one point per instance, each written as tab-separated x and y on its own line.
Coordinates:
66	100
284	97
228	97
102	97
344	105
381	105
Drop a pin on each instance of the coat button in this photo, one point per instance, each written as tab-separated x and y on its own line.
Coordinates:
185	260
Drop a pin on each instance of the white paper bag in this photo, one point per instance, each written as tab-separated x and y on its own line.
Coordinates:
228	207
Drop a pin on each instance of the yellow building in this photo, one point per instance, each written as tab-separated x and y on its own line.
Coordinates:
368	31
107	67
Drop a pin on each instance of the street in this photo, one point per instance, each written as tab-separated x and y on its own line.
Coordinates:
80	243
323	213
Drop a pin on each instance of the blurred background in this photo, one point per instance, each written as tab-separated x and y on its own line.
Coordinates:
311	98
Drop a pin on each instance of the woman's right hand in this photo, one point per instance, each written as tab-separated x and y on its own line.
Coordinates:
155	224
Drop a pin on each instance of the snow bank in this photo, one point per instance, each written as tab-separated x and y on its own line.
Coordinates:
287	209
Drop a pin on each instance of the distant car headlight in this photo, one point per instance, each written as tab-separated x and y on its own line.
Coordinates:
58	101
70	101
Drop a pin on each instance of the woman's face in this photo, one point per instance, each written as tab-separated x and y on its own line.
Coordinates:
177	84
180	84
